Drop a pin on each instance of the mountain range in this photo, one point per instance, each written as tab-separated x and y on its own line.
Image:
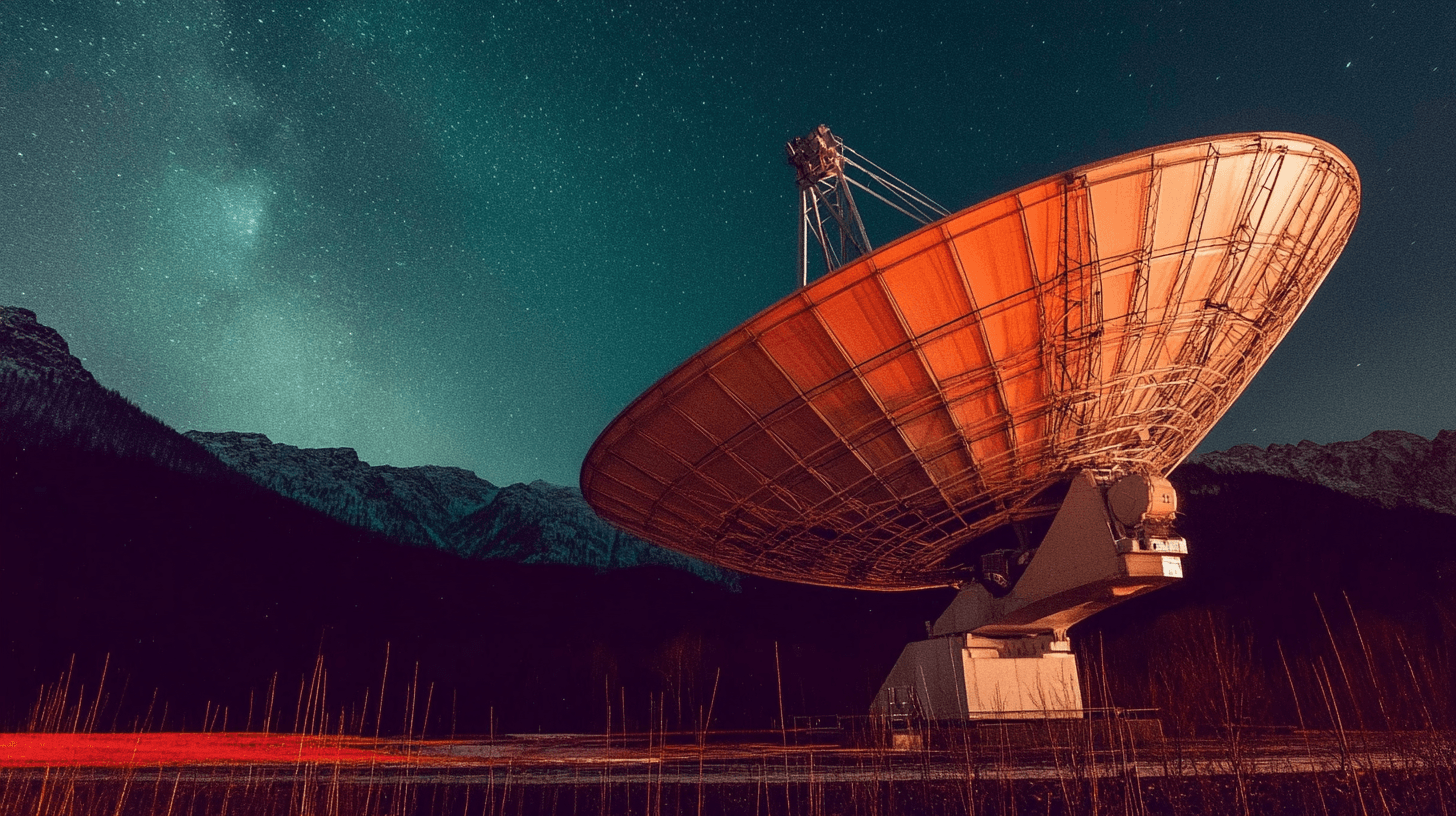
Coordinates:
1390	468
449	508
446	507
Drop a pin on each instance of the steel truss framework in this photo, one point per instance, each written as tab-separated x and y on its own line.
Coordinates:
827	211
865	430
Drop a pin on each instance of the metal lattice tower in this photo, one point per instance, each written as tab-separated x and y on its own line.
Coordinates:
826	203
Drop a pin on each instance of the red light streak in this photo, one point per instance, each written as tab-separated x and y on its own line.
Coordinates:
188	749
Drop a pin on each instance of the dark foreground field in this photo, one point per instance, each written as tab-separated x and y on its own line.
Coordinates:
1066	770
1303	666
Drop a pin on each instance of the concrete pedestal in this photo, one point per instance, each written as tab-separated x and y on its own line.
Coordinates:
972	677
1007	656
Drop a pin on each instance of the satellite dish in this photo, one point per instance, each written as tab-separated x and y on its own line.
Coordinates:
867	430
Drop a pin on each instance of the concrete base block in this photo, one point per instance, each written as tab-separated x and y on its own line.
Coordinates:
976	678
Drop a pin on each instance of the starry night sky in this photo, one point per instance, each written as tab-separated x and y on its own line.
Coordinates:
470	233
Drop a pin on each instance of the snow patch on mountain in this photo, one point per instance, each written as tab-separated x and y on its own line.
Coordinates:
411	504
33	350
447	507
1390	468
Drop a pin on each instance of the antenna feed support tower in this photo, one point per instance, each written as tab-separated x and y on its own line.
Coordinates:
827	211
826	206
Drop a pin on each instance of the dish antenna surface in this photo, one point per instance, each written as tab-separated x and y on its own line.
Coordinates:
993	401
867	430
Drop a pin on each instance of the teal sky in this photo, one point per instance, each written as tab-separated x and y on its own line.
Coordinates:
470	233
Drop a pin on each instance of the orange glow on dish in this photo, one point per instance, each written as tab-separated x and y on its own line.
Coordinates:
867	428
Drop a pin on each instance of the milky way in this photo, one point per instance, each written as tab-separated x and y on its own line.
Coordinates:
470	233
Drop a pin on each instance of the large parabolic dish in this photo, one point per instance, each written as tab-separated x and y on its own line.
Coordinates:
865	430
